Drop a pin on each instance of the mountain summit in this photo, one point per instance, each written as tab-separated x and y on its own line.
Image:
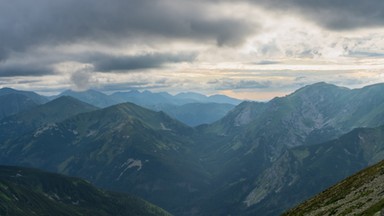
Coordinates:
14	101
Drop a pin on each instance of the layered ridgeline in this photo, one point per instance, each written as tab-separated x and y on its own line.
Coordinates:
190	108
152	100
27	192
123	148
303	171
311	115
261	158
360	194
41	116
146	98
256	136
13	101
93	97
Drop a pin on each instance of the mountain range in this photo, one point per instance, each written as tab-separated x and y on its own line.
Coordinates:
146	98
303	171
13	101
41	116
138	150
261	158
190	108
253	140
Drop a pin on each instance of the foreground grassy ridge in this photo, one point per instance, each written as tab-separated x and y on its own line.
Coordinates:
360	194
32	192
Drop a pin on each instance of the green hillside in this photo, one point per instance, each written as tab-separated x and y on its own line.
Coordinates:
11	104
26	192
123	148
36	98
251	149
303	171
44	115
360	194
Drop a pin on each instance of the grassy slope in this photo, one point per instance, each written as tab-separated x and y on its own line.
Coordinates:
359	194
124	148
33	192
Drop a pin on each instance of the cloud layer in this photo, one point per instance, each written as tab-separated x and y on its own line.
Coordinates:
336	15
107	63
179	45
25	24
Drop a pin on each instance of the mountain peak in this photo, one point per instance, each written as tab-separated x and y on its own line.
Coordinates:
32	95
68	100
378	87
320	88
319	85
153	119
7	89
91	96
322	84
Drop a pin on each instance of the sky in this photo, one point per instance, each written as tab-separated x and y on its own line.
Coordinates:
249	49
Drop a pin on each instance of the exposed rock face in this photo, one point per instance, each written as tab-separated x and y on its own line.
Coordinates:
282	173
267	147
244	117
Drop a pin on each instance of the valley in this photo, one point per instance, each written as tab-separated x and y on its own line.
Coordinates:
255	158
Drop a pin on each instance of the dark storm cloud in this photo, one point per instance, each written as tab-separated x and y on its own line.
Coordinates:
11	70
107	63
25	24
41	65
333	14
225	31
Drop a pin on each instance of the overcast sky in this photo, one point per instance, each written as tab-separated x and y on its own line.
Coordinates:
254	49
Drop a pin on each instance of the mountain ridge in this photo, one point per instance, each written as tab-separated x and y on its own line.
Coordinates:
220	168
360	194
13	101
303	171
26	191
139	150
93	97
177	106
267	130
42	116
38	99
